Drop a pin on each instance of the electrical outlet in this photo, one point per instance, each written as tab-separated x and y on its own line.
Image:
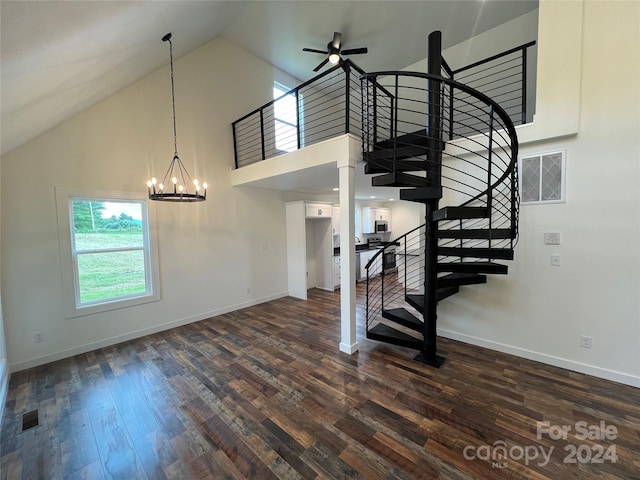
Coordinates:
555	259
552	238
38	337
585	341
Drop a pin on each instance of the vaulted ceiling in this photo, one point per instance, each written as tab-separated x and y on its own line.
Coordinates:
58	58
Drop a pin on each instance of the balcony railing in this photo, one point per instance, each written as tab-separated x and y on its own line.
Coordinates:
324	107
330	105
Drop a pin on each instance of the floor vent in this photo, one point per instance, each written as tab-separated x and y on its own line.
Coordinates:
29	420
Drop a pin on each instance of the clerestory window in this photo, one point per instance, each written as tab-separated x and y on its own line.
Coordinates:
285	118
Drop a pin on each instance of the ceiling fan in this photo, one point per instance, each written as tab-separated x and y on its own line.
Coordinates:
334	51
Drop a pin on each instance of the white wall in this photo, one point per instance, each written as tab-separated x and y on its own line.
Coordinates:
510	34
211	254
539	311
4	366
405	216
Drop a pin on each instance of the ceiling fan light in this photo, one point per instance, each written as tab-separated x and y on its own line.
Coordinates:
334	58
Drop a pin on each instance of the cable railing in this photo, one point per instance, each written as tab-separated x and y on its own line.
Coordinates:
389	288
507	78
327	106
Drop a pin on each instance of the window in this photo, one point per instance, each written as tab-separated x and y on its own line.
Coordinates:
284	112
107	250
542	178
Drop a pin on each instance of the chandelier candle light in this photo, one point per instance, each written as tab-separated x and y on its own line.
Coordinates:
178	191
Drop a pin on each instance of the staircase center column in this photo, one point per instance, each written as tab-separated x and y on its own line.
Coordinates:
428	354
346	182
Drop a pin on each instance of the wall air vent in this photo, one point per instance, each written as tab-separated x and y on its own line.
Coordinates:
542	178
29	420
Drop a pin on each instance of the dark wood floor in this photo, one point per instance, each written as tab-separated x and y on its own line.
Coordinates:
264	393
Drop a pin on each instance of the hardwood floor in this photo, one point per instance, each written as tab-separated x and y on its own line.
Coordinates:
264	393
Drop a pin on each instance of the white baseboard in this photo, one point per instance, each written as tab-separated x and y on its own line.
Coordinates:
34	362
350	349
599	372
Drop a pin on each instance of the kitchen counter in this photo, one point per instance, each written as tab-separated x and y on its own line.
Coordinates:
363	247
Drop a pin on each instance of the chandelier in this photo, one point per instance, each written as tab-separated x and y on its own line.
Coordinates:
176	184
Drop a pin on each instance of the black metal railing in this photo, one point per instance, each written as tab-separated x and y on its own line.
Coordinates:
388	289
478	167
327	106
507	78
479	164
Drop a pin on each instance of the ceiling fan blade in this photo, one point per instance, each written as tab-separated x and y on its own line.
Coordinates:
314	50
337	39
354	51
322	64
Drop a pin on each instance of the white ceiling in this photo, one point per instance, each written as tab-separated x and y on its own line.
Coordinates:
58	58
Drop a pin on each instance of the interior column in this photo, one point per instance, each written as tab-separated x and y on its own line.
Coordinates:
346	173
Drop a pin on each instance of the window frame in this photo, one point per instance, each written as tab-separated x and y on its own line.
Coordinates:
563	177
73	307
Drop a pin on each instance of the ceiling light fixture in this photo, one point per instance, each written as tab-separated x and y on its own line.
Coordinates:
334	57
176	173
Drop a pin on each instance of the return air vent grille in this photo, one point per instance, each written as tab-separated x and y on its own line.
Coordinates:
30	420
542	178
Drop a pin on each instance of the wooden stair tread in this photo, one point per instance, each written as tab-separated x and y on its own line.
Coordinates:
374	166
399	179
387	334
418	137
404	318
417	301
459	279
477	233
472	267
401	152
501	253
421	194
460	213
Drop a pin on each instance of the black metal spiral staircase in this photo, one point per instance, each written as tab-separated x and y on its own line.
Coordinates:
445	144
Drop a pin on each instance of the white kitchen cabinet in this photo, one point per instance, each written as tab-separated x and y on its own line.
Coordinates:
335	220
384	214
336	271
319	210
371	214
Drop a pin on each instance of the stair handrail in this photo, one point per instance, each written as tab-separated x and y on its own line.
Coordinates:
403	242
391	244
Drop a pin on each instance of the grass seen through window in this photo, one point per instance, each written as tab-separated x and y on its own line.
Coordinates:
109	246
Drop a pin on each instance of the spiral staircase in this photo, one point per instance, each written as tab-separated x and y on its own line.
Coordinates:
453	149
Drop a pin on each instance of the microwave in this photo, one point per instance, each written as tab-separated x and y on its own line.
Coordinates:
381	226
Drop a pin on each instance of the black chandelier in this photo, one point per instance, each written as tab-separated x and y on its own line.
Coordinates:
178	190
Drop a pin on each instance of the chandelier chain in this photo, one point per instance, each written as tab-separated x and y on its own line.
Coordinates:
173	99
177	174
